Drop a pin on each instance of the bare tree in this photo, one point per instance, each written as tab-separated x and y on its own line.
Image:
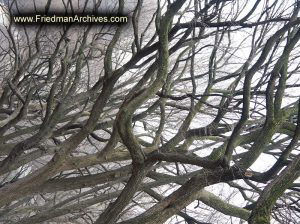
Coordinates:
188	113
